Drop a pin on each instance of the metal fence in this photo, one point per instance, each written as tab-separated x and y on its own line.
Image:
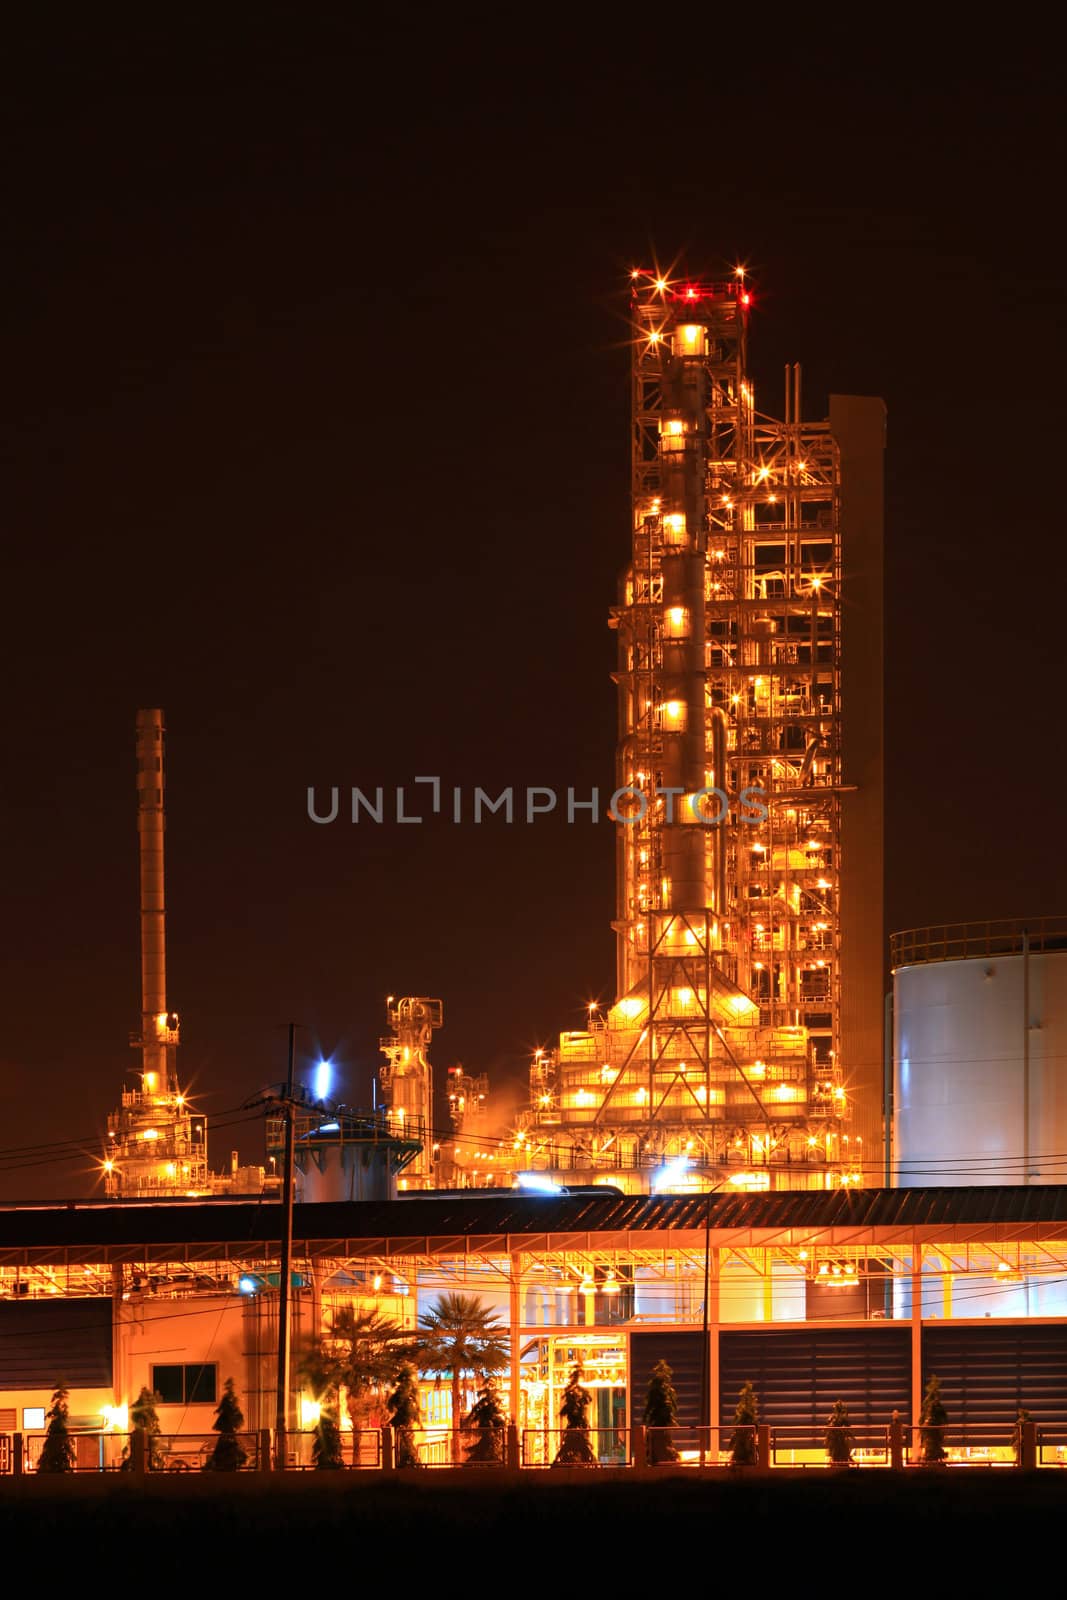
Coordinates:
994	1444
680	1446
914	1446
200	1452
575	1447
830	1447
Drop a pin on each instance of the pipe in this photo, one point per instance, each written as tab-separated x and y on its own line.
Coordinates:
285	1265
155	1023
1026	1055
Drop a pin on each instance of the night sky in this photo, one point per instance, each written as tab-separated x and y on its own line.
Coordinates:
316	372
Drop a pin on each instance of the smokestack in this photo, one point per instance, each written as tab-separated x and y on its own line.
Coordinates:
159	1031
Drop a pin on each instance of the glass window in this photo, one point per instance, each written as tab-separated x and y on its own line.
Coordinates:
169	1385
200	1385
193	1385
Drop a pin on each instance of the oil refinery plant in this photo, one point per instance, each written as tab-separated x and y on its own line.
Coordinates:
745	1047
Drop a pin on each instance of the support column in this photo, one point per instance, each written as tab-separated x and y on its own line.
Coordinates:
713	1348
515	1317
916	1335
118	1379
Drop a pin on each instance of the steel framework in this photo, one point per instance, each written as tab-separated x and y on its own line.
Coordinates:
721	1050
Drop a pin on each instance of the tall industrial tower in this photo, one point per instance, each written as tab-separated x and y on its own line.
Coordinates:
156	1142
727	1051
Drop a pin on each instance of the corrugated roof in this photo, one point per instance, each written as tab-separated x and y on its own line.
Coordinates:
464	1215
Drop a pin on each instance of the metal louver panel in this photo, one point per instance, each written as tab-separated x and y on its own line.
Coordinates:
681	1352
797	1375
989	1373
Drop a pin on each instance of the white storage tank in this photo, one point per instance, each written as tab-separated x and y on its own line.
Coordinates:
980	1054
346	1156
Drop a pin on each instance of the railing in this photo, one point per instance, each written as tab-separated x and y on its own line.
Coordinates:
440	1447
575	1447
962	941
994	1444
909	1445
199	1452
691	1446
1052	1446
830	1447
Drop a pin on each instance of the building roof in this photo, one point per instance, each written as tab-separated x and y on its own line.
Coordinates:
464	1223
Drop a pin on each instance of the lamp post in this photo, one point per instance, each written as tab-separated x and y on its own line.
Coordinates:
705	1362
281	1414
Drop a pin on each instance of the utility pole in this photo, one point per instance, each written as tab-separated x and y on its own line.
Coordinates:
281	1415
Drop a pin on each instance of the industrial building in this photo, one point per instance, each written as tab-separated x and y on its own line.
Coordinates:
856	1295
745	1043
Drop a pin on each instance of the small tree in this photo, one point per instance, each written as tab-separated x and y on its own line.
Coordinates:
144	1418
575	1449
57	1453
1023	1418
743	1438
460	1333
228	1454
486	1420
403	1408
839	1437
932	1420
661	1414
326	1448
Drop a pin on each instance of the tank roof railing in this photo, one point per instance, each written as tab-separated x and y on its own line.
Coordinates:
966	941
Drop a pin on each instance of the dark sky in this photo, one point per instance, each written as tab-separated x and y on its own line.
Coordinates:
317	387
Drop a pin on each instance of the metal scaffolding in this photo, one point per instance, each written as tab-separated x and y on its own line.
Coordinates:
721	1053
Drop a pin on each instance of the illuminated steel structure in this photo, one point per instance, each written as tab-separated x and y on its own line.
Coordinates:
156	1143
406	1079
722	1053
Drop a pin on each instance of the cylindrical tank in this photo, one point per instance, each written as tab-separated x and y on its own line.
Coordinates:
980	1054
340	1165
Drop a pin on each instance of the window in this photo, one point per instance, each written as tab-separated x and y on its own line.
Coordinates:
32	1417
186	1385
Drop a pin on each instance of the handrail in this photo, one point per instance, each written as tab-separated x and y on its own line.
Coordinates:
963	941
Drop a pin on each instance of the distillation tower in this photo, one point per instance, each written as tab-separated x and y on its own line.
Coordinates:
722	1055
156	1142
406	1079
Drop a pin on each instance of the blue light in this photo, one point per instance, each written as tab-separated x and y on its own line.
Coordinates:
539	1185
323	1076
329	1127
247	1285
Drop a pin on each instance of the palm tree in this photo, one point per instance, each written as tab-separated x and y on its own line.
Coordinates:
359	1354
461	1335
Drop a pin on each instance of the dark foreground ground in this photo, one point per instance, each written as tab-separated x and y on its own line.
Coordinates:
525	1532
